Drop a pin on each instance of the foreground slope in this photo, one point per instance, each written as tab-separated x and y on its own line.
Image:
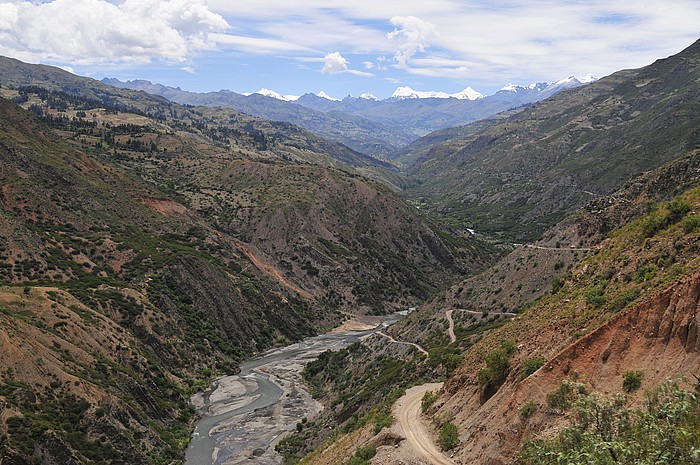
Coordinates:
631	305
521	175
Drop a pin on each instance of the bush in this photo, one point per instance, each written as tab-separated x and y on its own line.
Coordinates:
498	363
527	410
632	380
448	437
531	365
596	296
363	455
607	431
429	398
691	224
563	397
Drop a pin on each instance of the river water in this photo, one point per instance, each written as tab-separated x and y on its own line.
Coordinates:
243	416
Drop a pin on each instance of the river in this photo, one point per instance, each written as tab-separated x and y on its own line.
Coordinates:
243	416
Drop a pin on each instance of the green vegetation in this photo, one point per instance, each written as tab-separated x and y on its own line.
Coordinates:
429	398
527	410
531	365
565	395
632	380
363	455
604	431
498	363
448	437
660	219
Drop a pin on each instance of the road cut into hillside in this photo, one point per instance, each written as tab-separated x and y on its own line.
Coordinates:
407	411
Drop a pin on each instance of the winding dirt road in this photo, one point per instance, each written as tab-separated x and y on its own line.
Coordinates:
391	339
451	329
408	410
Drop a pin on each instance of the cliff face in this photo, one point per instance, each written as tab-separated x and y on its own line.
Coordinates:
658	336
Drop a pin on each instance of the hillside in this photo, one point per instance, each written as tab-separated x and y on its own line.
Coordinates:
517	177
629	305
360	134
101	334
145	251
58	90
610	315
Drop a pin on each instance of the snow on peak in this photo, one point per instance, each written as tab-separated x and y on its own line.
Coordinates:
270	93
588	78
538	86
273	94
368	96
406	92
511	88
322	94
468	94
571	80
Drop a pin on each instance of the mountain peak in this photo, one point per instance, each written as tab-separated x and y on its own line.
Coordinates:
275	95
322	94
405	92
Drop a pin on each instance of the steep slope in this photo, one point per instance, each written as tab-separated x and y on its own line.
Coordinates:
532	270
521	175
111	309
638	313
143	254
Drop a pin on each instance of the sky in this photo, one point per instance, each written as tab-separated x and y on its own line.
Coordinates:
346	46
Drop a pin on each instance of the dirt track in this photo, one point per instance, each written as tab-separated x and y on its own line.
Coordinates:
408	411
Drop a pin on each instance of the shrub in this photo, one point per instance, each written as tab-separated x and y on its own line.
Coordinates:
563	397
527	410
607	431
632	380
691	224
429	398
448	437
596	296
531	365
363	455
498	363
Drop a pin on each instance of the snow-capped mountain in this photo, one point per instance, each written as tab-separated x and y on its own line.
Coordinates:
368	96
273	94
547	89
535	86
406	92
322	94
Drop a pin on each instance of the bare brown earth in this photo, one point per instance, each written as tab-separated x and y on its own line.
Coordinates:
658	336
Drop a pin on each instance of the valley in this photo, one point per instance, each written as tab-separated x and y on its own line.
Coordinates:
181	278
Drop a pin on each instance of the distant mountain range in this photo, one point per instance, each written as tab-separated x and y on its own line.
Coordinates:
366	124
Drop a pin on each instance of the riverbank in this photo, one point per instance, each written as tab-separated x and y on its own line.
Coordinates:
243	416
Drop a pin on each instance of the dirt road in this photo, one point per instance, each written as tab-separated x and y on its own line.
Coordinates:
451	329
408	410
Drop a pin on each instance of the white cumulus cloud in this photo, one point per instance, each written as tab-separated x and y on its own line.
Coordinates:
415	33
97	31
334	63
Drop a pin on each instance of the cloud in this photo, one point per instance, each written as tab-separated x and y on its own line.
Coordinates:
416	34
97	31
189	69
334	63
368	64
257	45
356	72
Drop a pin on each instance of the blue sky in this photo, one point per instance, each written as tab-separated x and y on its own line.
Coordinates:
346	46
